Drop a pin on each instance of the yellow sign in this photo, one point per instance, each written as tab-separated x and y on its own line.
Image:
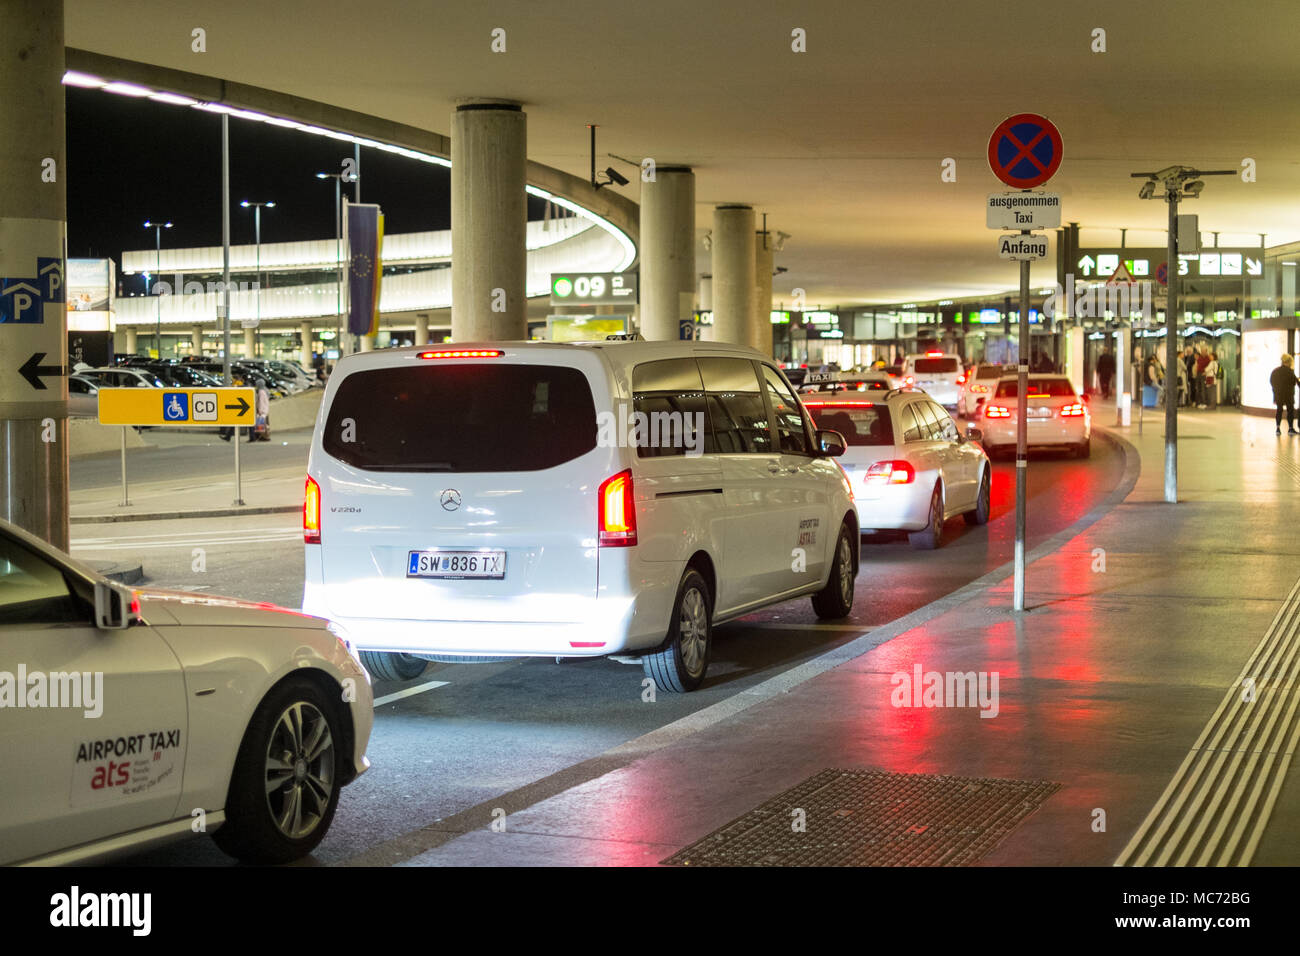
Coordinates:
176	406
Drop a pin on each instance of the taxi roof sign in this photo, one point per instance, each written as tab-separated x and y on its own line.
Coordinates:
177	406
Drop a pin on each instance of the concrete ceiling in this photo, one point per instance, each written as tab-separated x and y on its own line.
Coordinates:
841	145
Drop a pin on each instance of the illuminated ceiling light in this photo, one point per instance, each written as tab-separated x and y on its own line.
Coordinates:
73	78
172	98
126	89
629	249
280	121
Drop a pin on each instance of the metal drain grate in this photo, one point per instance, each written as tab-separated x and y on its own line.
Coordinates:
873	818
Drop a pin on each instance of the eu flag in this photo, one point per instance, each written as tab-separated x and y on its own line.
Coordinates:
365	231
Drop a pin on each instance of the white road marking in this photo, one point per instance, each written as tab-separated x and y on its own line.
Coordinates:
209	539
411	691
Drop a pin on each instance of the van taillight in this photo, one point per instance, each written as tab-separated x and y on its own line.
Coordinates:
1072	411
996	411
311	512
617	518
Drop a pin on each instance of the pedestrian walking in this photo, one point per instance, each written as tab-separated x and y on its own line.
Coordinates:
1284	383
261	430
1210	390
1105	371
1202	360
1188	359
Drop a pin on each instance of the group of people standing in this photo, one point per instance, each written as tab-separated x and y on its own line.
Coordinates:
1199	374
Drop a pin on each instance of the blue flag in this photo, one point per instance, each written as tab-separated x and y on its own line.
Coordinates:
365	229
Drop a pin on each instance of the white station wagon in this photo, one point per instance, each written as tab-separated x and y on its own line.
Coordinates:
568	499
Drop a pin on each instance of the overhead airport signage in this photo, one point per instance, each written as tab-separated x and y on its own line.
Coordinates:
1025	150
1023	210
593	288
1098	264
1020	247
176	406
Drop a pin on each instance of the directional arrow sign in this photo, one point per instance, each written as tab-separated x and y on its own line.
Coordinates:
1254	267
33	370
176	406
1086	264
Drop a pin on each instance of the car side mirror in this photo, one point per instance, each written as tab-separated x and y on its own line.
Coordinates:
115	606
974	434
831	442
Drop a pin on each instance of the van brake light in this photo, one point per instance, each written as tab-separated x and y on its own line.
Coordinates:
1072	411
996	411
311	512
617	511
462	353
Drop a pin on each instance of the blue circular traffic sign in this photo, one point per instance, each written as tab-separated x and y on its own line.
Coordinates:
1025	150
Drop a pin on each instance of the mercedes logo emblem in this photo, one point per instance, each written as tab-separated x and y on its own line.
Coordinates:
450	499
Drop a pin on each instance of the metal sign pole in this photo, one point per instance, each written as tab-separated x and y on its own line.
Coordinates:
1022	436
125	500
1171	353
239	494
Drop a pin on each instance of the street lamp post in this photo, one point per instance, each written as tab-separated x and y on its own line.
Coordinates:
339	179
157	228
1180	182
257	239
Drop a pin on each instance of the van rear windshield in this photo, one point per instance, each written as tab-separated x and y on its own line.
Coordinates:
935	366
1052	387
481	417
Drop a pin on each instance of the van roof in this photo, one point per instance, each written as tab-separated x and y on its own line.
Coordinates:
621	353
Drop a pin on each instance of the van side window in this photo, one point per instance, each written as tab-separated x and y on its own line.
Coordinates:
670	395
911	427
929	424
790	429
736	408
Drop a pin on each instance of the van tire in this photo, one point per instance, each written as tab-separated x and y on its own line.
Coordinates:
930	537
386	666
679	665
835	600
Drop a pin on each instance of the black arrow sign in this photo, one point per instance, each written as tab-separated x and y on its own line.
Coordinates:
33	370
242	406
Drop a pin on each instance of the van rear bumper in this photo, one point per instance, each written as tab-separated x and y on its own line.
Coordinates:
489	638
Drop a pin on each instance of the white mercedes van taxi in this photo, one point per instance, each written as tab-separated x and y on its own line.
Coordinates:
569	499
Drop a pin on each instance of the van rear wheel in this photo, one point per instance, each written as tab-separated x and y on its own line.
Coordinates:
393	666
679	664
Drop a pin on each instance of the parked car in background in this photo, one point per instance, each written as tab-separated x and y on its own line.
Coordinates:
910	466
1056	417
977	384
124	377
83	397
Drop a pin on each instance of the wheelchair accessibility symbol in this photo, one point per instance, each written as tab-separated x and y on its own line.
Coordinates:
176	406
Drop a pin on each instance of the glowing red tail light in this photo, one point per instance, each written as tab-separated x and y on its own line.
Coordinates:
617	511
462	353
979	388
910	380
1072	411
996	411
311	512
891	473
934	353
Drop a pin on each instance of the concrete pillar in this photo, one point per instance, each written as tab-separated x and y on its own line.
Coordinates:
366	343
667	251
733	274
33	237
761	330
421	329
305	352
196	340
706	293
250	342
488	219
130	340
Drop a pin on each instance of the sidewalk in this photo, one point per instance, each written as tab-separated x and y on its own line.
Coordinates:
1140	624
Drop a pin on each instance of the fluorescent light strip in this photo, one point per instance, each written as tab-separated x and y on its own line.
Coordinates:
72	78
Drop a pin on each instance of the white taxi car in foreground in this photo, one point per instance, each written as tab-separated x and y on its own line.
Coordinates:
515	499
130	718
910	467
1058	416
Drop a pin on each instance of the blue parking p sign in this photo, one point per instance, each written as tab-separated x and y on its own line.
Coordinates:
176	406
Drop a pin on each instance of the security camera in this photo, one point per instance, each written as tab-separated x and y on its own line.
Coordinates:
1193	189
615	176
1148	190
